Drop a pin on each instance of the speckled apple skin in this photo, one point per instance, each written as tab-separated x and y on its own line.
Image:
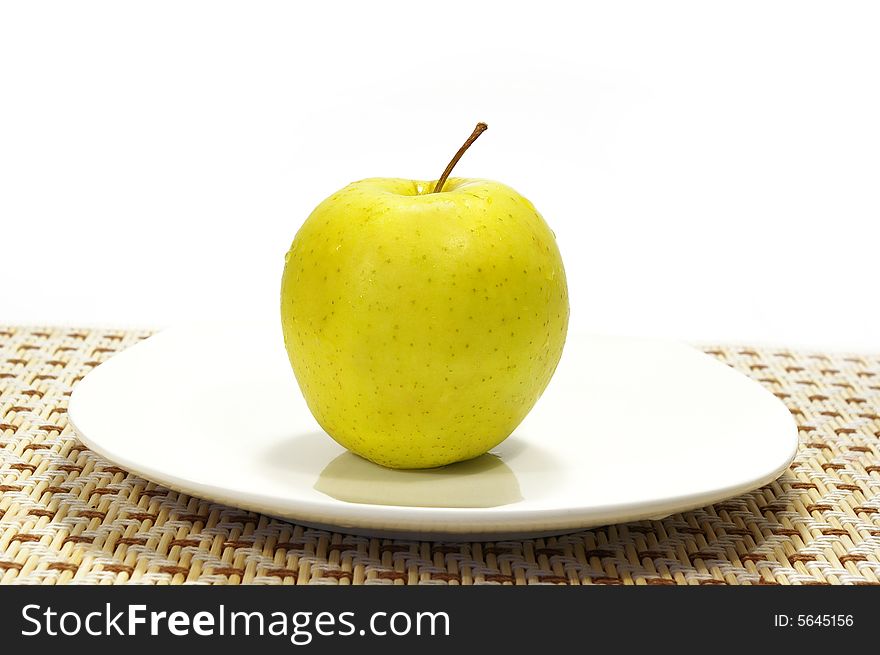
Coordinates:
422	327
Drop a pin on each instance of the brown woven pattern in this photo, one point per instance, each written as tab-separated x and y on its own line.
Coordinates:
67	515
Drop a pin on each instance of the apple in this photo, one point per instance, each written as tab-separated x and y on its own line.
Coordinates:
423	320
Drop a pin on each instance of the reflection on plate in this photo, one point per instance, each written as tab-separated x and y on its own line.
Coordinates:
485	481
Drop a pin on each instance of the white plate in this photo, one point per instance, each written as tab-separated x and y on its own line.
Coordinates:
628	429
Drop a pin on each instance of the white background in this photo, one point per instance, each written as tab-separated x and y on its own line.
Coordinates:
711	170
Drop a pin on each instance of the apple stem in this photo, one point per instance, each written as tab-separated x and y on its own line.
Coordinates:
478	130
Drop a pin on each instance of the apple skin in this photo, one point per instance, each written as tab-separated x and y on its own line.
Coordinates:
422	327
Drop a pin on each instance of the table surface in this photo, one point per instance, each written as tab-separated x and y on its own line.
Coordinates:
69	516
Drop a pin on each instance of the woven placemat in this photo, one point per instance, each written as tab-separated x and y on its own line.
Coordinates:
68	515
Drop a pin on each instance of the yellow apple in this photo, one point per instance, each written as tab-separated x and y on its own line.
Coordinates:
423	326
